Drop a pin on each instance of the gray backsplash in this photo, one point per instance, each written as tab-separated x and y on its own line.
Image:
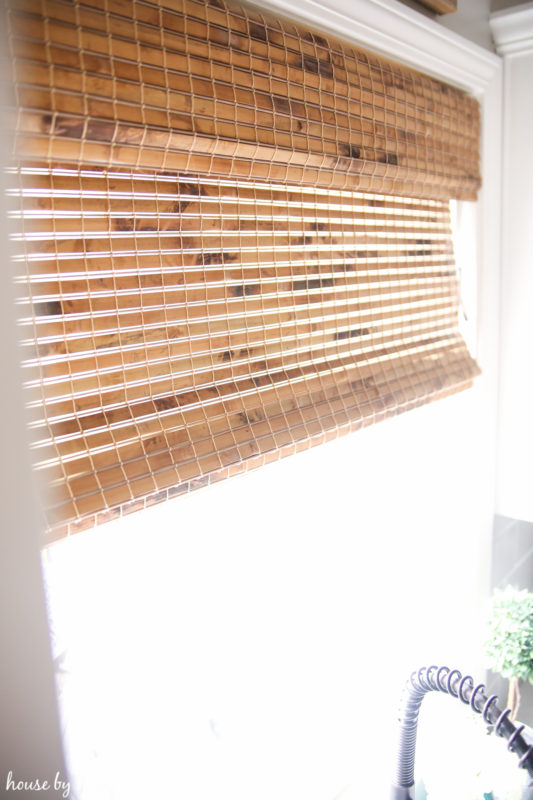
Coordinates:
512	563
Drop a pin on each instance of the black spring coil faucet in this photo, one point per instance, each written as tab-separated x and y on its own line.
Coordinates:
449	681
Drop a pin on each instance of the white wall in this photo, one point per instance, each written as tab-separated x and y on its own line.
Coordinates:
514	33
500	5
30	747
471	20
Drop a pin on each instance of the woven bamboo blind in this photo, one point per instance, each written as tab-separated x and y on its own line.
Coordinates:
235	239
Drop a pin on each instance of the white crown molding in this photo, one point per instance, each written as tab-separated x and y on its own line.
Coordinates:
390	28
512	30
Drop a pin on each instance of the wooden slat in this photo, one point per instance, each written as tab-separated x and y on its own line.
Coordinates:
440	6
275	316
200	406
102	387
206	444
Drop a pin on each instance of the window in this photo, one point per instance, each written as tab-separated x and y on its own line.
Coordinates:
237	241
303	562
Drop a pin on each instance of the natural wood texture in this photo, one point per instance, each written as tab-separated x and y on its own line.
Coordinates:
215	89
440	6
177	328
235	243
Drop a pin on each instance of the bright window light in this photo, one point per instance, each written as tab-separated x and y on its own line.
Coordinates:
251	639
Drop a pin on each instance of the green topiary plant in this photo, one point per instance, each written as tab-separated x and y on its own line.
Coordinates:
509	649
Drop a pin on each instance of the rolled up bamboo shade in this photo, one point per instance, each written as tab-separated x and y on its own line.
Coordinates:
212	88
235	243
